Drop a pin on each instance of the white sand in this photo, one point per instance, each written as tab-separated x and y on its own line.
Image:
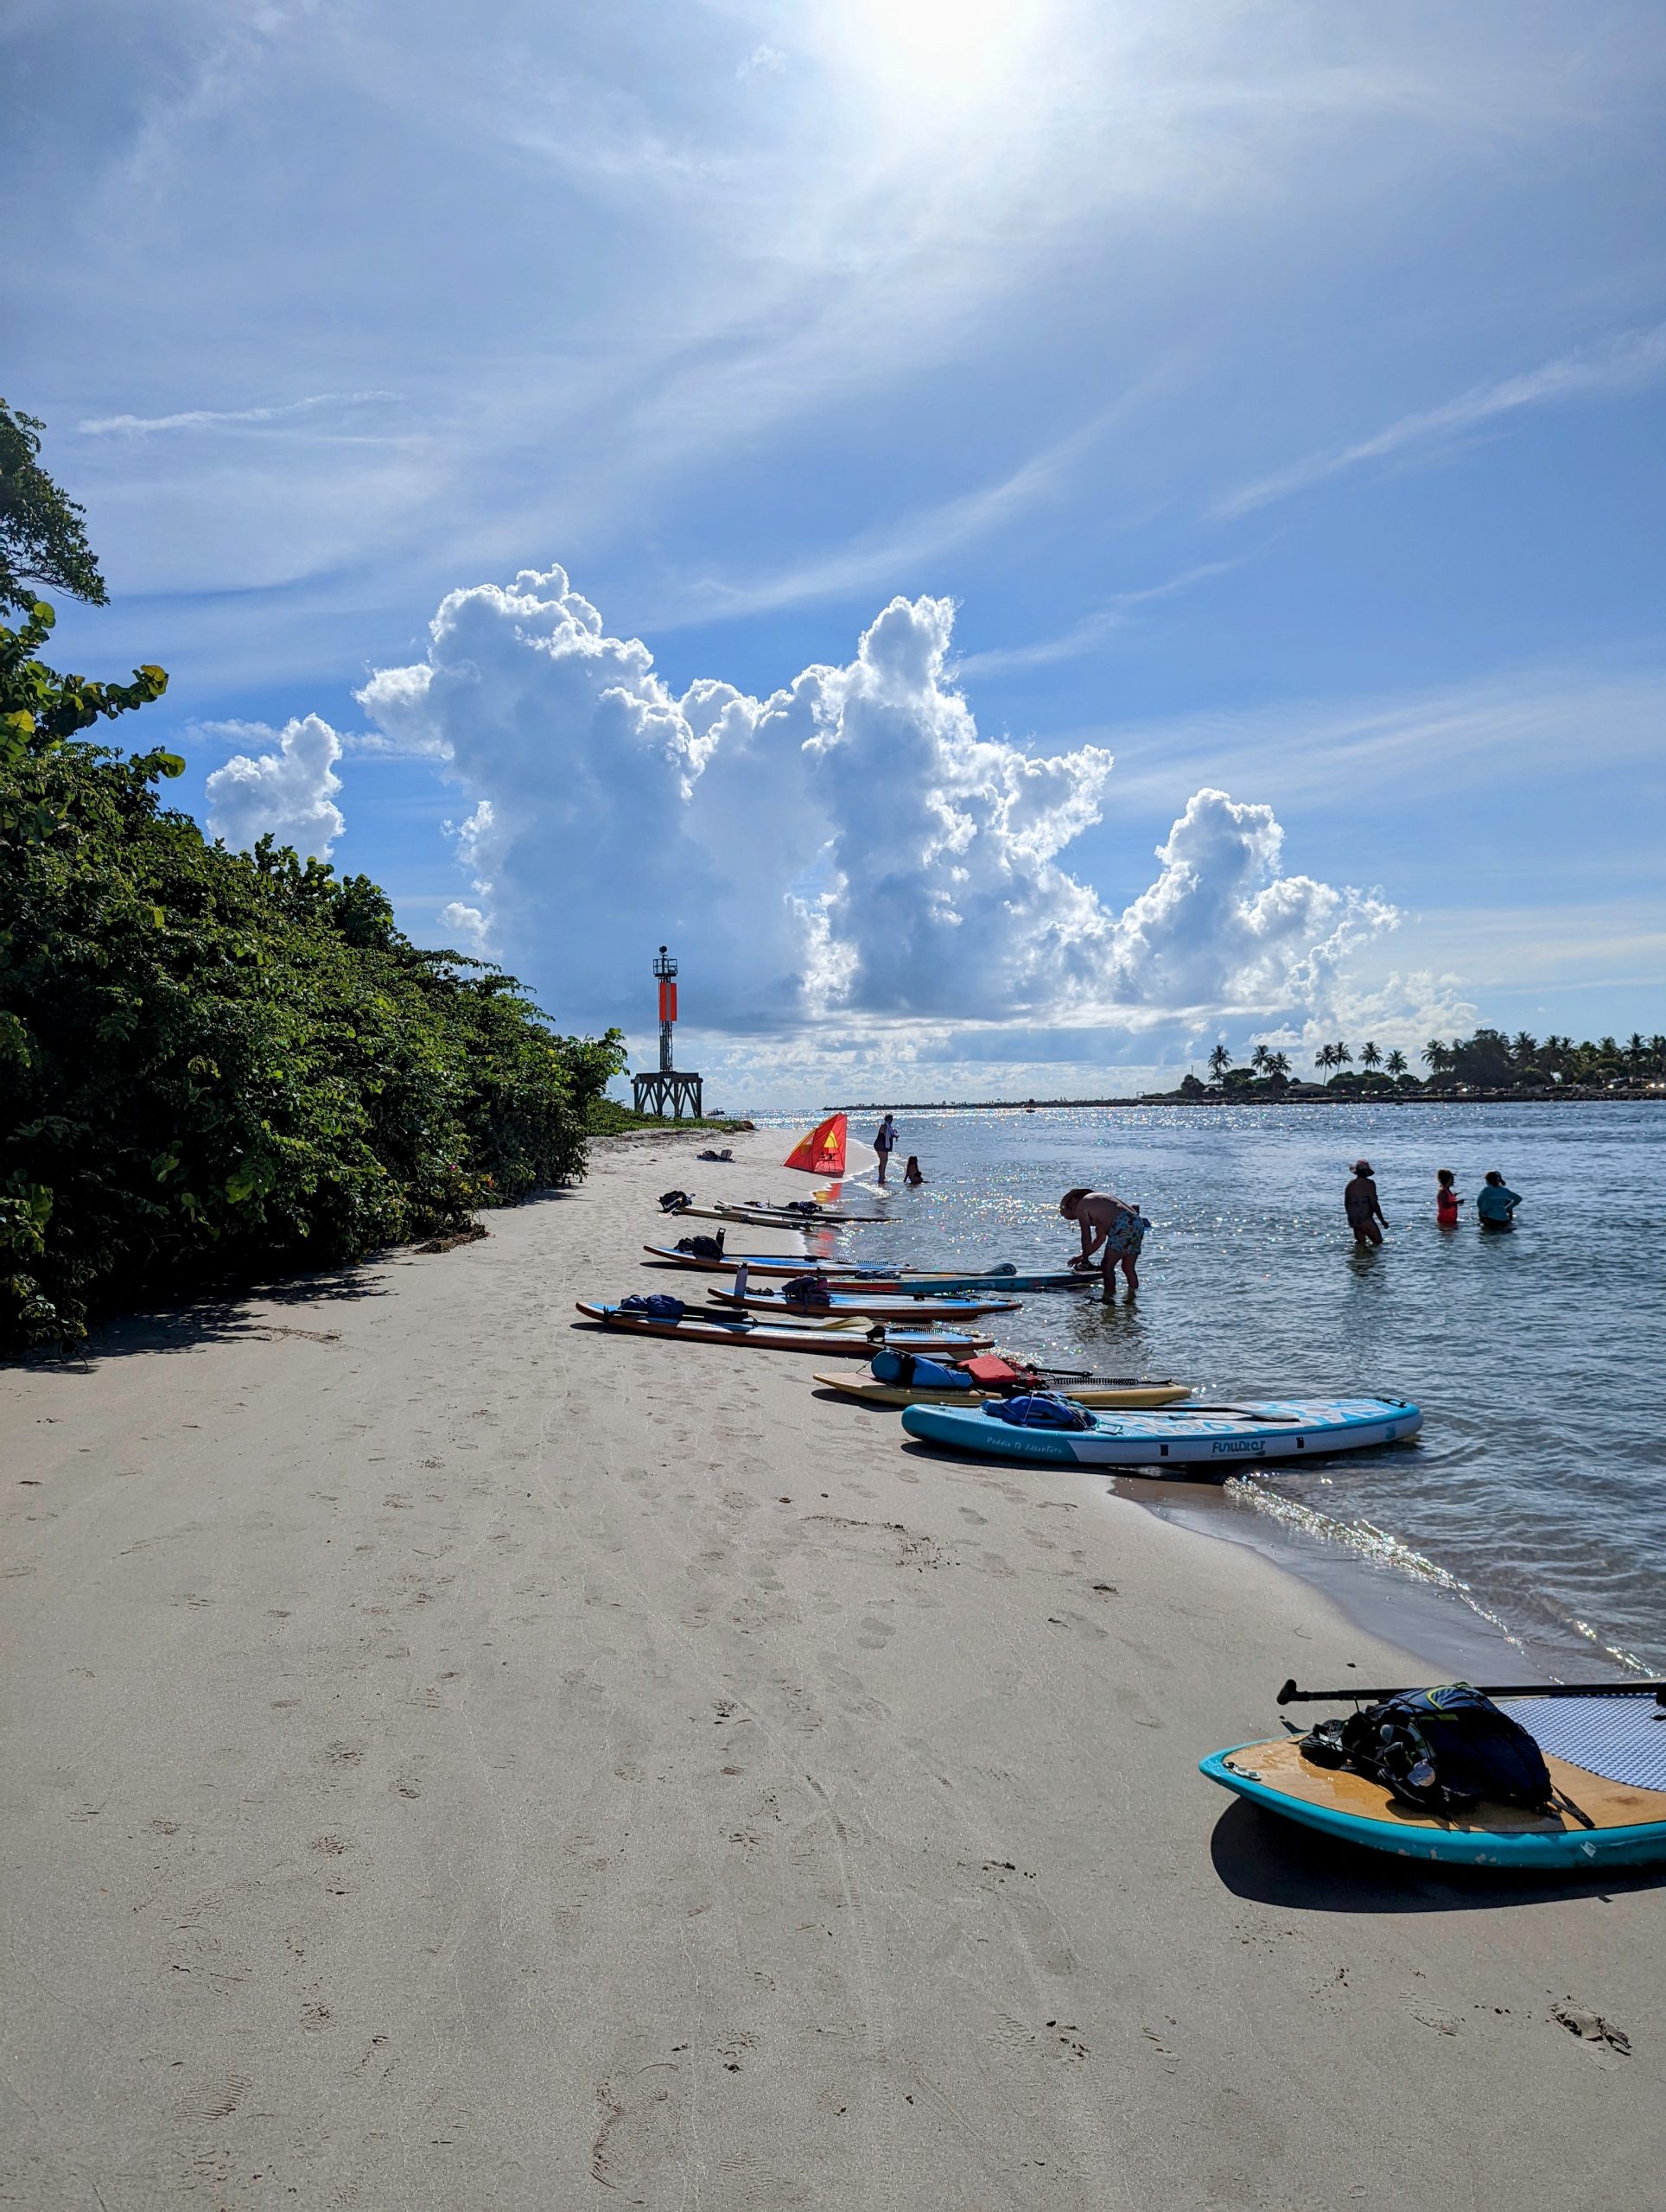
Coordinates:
454	1760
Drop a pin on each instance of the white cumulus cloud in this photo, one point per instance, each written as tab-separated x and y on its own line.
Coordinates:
850	847
288	791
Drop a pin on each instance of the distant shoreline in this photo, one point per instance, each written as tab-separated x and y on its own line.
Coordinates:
1571	1095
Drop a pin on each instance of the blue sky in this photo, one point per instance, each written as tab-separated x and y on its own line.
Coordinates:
1256	409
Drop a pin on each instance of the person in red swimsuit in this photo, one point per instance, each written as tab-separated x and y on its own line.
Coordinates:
1446	1200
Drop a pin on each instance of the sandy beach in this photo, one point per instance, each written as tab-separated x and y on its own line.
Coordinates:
454	1759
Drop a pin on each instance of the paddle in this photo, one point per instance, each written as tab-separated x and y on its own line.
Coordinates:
1291	1695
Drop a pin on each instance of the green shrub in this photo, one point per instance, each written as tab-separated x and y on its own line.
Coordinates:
214	1065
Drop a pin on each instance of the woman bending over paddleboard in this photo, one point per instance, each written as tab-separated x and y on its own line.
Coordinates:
1104	1219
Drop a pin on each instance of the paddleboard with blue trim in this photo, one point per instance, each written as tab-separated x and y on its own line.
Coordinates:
1223	1440
1600	1821
848	1337
942	1280
883	1305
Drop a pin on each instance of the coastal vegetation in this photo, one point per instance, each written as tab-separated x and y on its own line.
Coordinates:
1489	1060
218	1065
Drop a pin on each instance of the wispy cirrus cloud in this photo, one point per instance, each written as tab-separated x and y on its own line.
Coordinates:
213	418
1082	636
1627	364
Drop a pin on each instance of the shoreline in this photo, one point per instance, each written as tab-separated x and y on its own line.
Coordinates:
1569	1097
457	1759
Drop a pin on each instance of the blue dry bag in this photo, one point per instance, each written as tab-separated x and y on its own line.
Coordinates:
1039	1410
914	1372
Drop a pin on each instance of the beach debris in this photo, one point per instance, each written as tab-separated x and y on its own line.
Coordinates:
471	1233
1591	2027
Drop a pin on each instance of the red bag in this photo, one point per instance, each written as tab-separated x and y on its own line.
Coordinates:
990	1368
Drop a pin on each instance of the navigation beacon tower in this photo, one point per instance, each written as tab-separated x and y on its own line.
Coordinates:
664	1091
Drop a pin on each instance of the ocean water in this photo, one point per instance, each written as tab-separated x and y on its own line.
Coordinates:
1535	1499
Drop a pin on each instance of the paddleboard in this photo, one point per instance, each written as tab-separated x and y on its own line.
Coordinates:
884	1305
770	1217
846	1338
1131	1395
847	1271
1224	1439
1627	1820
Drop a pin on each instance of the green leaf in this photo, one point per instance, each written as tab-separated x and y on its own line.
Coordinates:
252	1178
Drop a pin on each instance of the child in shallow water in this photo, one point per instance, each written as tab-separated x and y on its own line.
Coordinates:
911	1174
1446	1200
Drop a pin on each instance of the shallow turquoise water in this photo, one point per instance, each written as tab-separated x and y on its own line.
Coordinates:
1536	1494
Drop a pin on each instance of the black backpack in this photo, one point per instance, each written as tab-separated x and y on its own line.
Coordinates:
1440	1751
701	1247
656	1307
809	1292
675	1201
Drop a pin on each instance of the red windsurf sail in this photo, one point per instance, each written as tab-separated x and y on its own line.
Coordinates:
822	1152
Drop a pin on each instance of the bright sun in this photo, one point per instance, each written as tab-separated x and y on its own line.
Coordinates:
952	48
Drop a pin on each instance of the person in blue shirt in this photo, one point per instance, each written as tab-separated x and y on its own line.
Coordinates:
1495	1206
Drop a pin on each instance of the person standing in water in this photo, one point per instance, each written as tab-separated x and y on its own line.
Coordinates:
1495	1206
1359	1199
1107	1220
884	1144
1446	1200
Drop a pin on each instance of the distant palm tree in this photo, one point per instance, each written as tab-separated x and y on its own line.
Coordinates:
1342	1055
1523	1048
1279	1063
1219	1060
1396	1064
1437	1057
1636	1052
1260	1060
1369	1055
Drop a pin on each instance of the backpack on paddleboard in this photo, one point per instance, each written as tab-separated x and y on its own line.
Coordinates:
913	1371
1039	1410
703	1248
1441	1750
656	1307
808	1293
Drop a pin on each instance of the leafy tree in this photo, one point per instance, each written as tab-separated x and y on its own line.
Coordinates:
1278	1067
42	539
1369	1055
1261	1061
1340	1056
1437	1057
1326	1058
1396	1064
1219	1060
217	1064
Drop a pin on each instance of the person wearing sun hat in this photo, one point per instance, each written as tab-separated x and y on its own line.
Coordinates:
1365	1214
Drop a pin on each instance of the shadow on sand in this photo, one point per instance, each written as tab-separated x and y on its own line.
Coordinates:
222	1319
1278	1862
